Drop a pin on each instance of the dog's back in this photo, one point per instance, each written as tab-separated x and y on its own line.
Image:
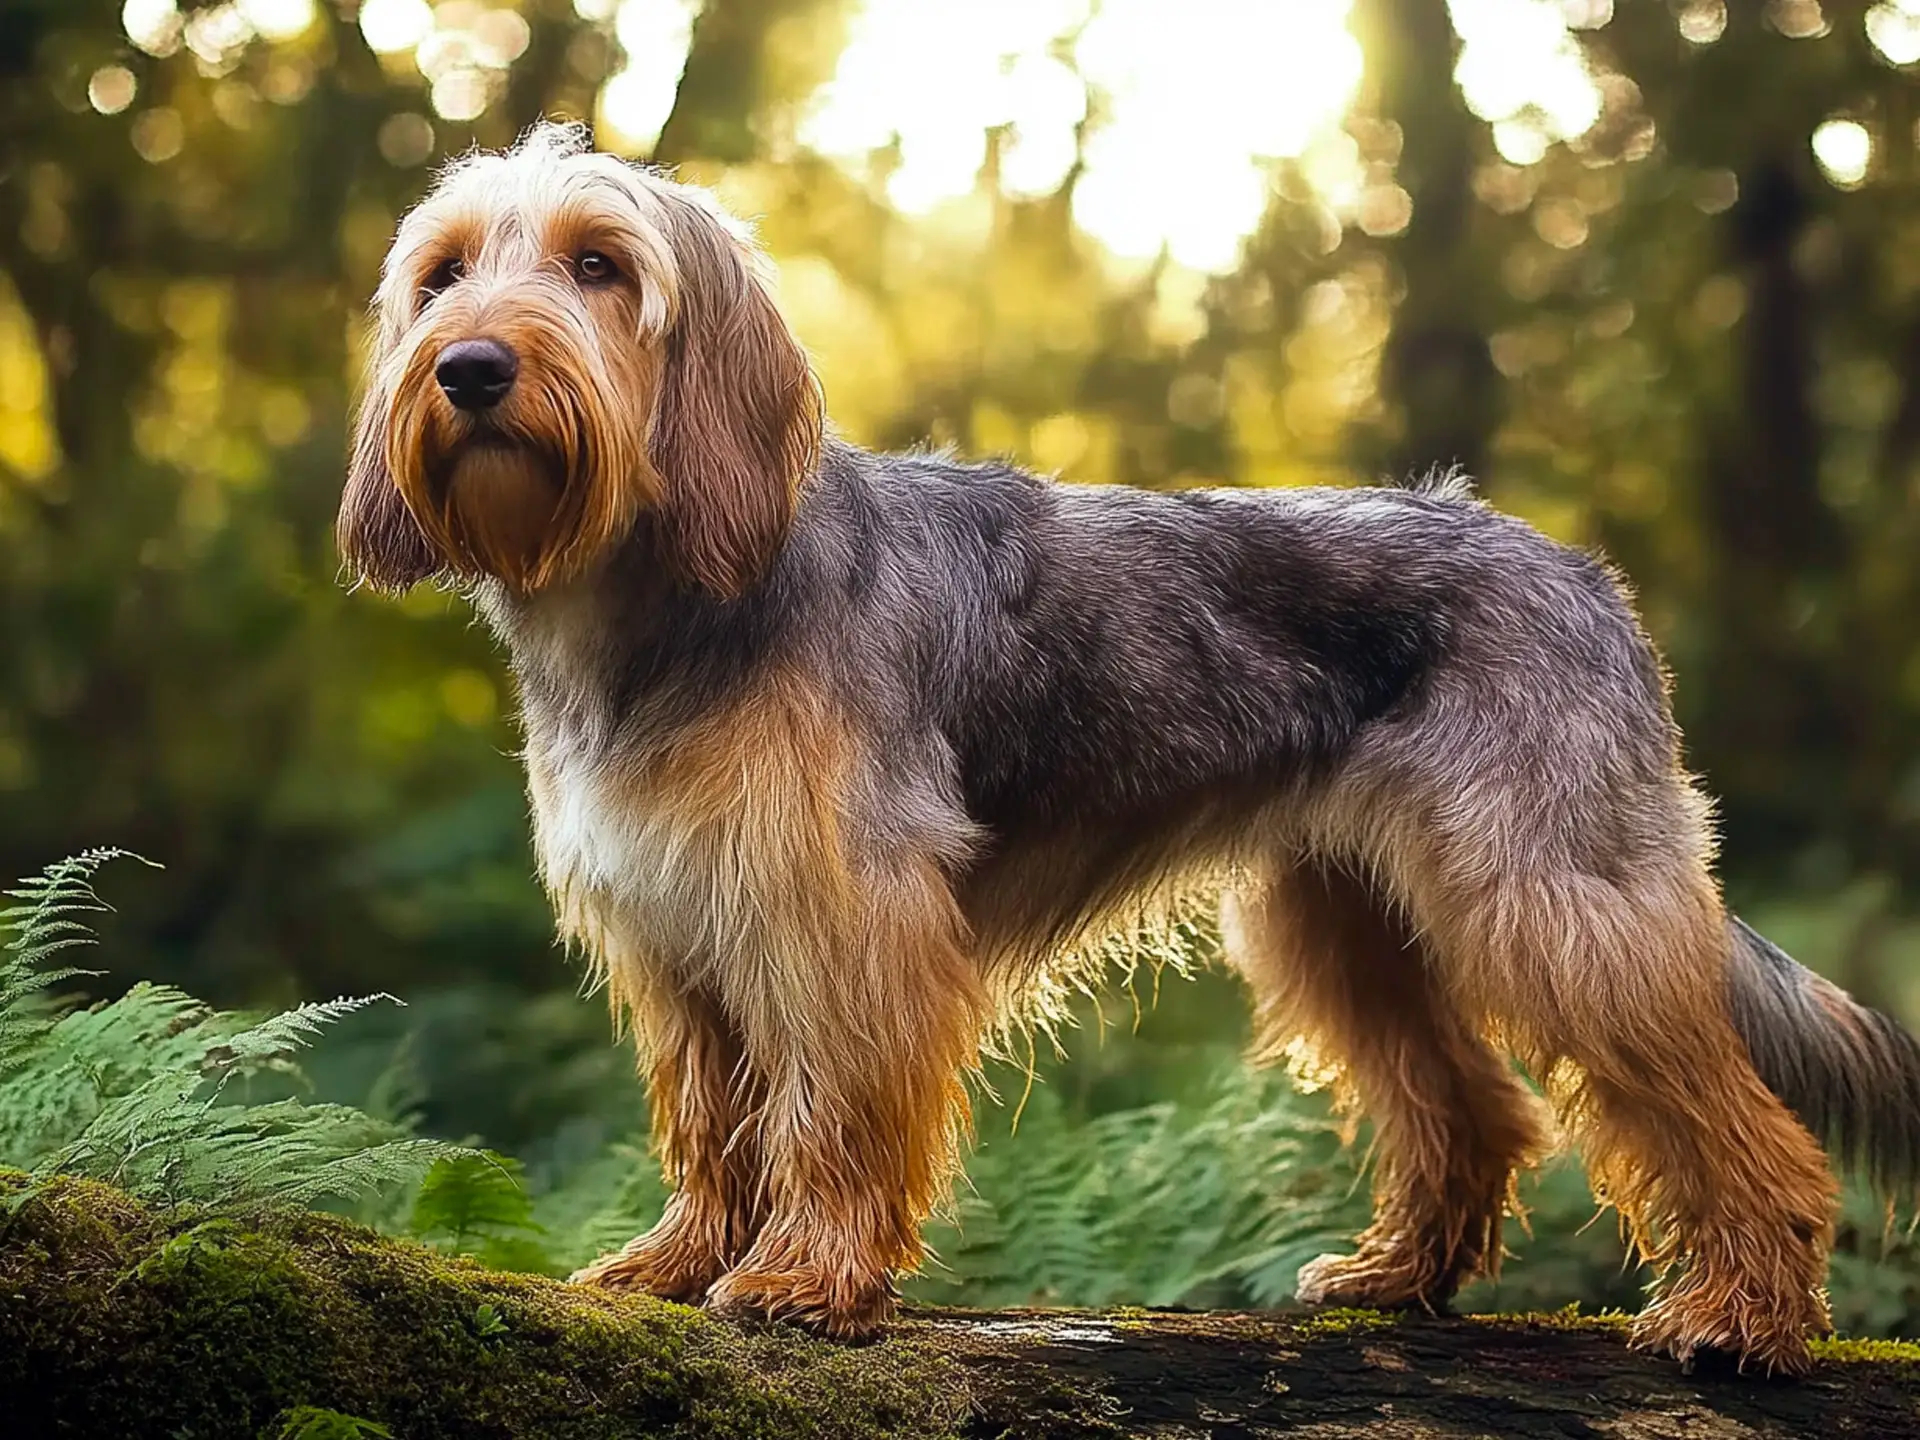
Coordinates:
829	750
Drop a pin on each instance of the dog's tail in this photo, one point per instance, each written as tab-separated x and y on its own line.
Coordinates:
1850	1074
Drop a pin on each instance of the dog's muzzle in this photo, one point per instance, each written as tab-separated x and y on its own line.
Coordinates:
476	374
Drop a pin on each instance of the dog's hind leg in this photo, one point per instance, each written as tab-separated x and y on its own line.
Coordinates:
1341	980
1614	990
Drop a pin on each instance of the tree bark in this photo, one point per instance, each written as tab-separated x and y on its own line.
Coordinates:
117	1319
1436	370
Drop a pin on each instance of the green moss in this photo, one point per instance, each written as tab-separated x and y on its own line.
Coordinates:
1339	1321
1904	1352
115	1319
1614	1323
1567	1320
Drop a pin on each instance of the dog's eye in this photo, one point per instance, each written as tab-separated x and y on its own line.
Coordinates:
445	274
595	268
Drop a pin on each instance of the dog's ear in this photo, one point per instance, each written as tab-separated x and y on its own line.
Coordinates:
377	535
737	423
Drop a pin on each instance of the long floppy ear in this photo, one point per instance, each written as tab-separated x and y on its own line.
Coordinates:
737	428
376	533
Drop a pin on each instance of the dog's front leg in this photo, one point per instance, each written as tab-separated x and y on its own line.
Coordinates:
704	1102
860	1030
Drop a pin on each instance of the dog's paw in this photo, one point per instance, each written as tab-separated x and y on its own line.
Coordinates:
667	1265
1365	1281
839	1307
1688	1324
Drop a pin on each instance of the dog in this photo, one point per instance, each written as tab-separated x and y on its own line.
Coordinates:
831	754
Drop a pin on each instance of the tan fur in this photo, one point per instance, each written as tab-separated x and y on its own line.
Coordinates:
838	972
1611	989
706	1108
1344	988
809	958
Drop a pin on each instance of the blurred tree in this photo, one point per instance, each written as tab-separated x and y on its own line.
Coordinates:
1436	370
1668	325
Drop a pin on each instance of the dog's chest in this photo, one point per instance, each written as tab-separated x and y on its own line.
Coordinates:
701	837
626	863
619	847
585	834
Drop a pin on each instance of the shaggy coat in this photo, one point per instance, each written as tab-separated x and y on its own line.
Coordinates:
834	755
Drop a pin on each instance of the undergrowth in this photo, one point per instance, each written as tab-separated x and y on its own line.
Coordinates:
154	1092
1132	1173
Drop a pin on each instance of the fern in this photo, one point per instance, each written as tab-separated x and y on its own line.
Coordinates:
476	1205
1218	1201
310	1422
41	924
136	1091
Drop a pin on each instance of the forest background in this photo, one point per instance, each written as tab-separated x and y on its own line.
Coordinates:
1648	268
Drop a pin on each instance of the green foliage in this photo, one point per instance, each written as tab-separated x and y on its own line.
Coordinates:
148	1091
1211	1201
487	1321
310	1422
476	1205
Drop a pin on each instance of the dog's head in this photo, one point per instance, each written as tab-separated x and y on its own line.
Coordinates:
566	344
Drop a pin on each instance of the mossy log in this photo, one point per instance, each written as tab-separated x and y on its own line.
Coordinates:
119	1320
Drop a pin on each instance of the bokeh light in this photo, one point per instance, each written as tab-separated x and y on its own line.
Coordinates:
1894	28
463	48
1844	149
1702	21
406	140
391	26
153	25
158	134
111	89
1798	19
277	19
635	103
217	37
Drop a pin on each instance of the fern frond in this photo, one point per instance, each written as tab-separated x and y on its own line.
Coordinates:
1216	1202
477	1204
43	925
295	1029
134	1091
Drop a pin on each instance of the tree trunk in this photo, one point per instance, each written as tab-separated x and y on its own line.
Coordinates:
116	1319
1436	371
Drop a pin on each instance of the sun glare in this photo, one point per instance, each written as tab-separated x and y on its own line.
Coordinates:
635	104
1190	106
1522	71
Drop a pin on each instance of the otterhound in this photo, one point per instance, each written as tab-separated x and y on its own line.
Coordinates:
830	753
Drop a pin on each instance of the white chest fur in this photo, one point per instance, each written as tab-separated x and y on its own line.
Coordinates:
710	848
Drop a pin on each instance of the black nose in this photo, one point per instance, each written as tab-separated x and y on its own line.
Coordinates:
476	374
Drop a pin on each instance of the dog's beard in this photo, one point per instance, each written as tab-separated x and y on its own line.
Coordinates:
501	501
527	494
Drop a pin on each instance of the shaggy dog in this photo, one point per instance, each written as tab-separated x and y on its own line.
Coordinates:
832	754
